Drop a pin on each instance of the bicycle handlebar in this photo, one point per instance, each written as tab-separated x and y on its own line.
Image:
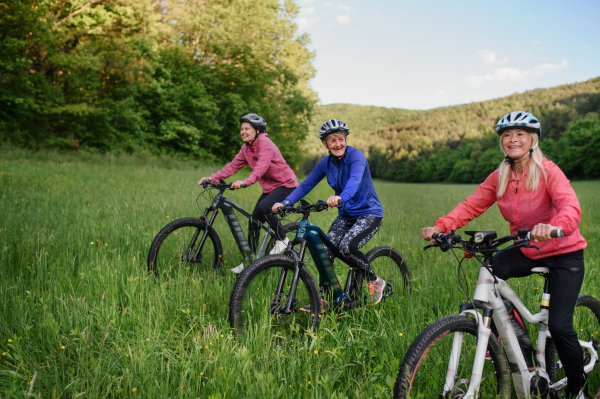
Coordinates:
318	206
221	186
486	241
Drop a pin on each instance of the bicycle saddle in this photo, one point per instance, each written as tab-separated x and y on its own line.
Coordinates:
540	270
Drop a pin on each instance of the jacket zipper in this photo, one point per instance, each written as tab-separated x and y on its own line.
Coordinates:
338	177
517	189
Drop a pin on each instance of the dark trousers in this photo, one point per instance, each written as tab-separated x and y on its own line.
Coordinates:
565	279
262	213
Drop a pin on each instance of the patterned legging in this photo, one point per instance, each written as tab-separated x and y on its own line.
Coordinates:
351	235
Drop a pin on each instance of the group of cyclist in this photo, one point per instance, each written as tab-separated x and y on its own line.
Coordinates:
530	190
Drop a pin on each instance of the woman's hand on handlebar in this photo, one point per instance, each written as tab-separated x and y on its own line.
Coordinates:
203	179
542	232
238	184
428	232
333	201
276	206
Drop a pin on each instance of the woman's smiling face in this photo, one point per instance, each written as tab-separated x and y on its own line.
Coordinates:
336	143
247	132
516	142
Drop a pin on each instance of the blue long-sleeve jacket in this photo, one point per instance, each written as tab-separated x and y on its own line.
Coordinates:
351	180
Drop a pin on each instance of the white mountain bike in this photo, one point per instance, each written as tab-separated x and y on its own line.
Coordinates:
472	355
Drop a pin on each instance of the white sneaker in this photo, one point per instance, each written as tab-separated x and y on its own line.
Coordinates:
280	246
238	269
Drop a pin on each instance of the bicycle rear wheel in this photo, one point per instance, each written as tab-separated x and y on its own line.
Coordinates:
424	369
176	244
255	305
388	264
586	323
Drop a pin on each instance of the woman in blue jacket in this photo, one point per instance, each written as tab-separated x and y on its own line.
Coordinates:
360	214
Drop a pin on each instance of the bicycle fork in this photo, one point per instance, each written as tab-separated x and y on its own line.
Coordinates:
483	335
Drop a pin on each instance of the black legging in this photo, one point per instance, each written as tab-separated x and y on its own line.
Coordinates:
565	279
349	236
262	213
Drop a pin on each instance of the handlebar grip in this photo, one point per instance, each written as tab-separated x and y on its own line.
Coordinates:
435	235
340	201
243	185
554	234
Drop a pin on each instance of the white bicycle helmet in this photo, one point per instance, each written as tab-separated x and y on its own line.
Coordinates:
519	119
333	126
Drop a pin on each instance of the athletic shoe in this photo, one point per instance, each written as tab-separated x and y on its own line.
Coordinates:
324	304
280	246
238	269
376	290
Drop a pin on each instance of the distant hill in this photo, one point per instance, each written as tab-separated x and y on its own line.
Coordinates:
458	143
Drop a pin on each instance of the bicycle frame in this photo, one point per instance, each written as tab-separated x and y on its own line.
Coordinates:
227	206
488	297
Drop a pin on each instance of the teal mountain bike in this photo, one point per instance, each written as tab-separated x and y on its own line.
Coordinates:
271	291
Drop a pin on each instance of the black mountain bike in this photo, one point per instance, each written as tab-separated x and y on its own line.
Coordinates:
278	291
192	242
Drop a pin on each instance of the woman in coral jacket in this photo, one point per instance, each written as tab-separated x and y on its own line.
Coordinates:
533	193
269	168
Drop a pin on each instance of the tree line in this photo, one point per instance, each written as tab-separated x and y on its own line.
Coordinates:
459	144
166	77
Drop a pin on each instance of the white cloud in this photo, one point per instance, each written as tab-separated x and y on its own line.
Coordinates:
537	42
345	8
543	68
343	19
513	74
488	56
440	94
328	5
307	11
303	22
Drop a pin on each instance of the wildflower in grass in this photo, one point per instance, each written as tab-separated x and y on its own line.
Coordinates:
316	352
400	334
147	339
308	382
104	244
206	347
92	243
133	389
3	353
201	373
62	347
222	335
9	340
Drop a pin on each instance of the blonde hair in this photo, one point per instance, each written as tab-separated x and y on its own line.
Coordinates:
534	168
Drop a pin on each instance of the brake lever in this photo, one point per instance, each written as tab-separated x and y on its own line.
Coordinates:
532	246
428	246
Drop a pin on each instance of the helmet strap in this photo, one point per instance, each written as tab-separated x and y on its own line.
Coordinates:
512	161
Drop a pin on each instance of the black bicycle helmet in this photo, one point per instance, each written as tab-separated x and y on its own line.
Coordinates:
519	119
256	121
333	126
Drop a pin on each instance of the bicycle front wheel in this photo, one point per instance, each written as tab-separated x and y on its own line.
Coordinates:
256	304
424	371
586	323
176	245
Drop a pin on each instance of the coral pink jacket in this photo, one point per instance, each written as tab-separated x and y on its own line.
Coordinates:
554	202
267	163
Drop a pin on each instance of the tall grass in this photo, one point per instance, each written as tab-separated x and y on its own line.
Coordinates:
79	308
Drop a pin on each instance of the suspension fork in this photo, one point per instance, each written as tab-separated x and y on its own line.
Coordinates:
287	308
203	239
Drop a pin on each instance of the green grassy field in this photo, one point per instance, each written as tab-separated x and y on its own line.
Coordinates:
79	308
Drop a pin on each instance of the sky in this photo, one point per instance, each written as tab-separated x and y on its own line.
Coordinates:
427	54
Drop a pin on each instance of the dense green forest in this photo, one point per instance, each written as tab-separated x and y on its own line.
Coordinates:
165	78
459	144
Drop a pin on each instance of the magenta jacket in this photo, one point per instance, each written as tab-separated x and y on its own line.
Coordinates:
554	202
267	163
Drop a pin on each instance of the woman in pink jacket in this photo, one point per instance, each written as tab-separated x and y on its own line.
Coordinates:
268	168
533	193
